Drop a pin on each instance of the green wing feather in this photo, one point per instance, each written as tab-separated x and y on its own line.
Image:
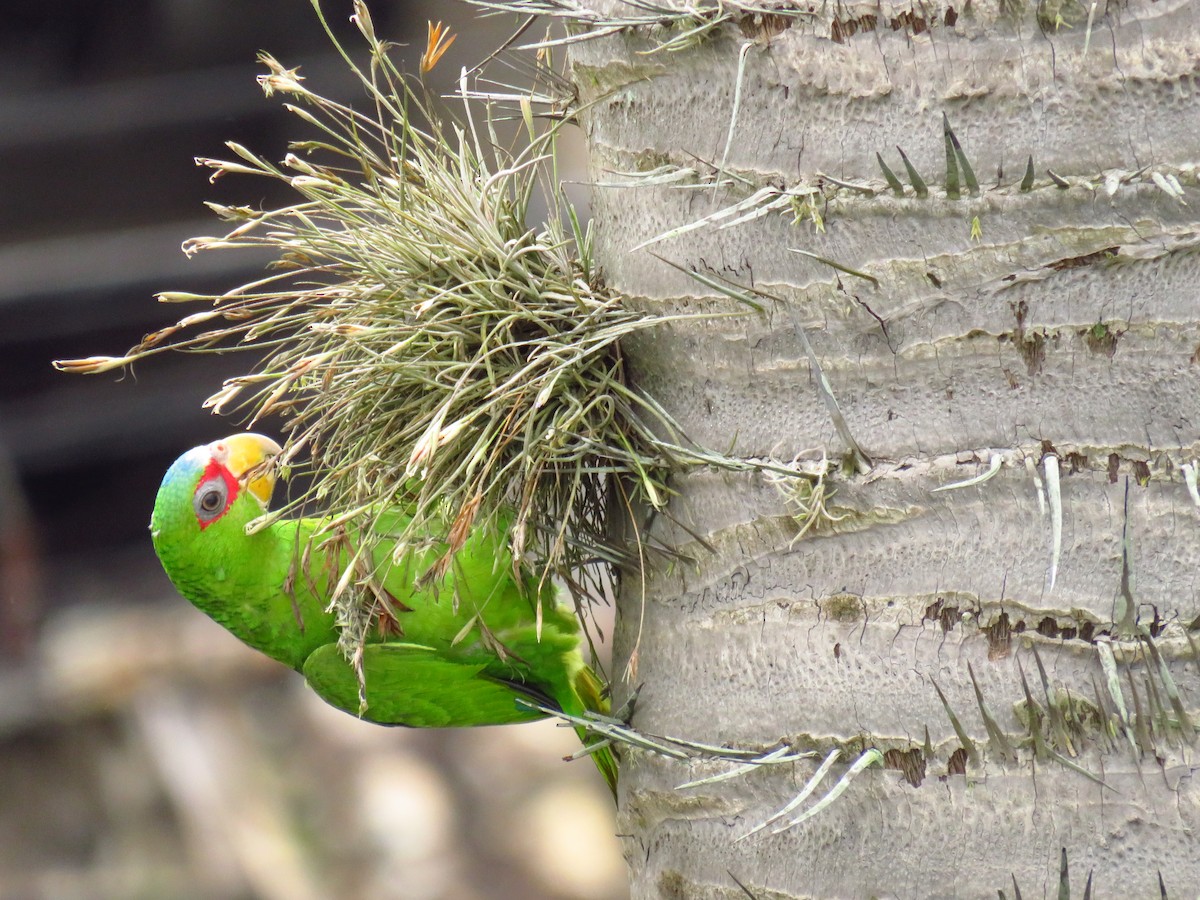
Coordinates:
409	684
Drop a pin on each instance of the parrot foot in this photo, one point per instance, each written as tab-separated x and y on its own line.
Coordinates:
624	713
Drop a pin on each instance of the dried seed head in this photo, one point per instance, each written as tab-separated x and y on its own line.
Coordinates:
92	365
279	79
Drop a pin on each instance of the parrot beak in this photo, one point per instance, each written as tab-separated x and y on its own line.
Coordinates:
247	456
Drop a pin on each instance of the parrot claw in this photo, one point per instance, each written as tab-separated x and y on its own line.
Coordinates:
624	713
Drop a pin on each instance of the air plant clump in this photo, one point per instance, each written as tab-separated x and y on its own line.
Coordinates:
803	486
670	26
424	343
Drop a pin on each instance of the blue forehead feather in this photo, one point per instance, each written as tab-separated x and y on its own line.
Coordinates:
188	467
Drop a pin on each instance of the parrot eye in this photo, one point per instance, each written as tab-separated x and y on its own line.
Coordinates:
210	500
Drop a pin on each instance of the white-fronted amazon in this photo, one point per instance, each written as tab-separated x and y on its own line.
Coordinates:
455	650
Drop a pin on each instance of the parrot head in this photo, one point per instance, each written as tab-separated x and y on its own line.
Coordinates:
239	578
209	495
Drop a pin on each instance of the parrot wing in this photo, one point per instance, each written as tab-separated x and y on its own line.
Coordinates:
410	684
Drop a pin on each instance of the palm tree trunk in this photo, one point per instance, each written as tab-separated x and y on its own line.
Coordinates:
1049	322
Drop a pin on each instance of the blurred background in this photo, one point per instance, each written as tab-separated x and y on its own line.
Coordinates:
143	751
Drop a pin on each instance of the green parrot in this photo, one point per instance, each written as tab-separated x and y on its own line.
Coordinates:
452	651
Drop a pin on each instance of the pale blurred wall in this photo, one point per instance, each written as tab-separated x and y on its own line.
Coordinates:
144	752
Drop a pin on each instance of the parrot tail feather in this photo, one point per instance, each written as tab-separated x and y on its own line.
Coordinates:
606	762
590	690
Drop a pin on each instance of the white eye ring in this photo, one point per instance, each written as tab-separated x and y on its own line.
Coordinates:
210	499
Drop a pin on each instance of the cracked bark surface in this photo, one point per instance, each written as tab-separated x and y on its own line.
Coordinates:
1020	323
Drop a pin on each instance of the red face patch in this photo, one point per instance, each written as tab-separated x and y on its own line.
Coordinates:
214	494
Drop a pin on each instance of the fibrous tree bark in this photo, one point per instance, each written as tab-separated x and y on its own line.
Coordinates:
1016	294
